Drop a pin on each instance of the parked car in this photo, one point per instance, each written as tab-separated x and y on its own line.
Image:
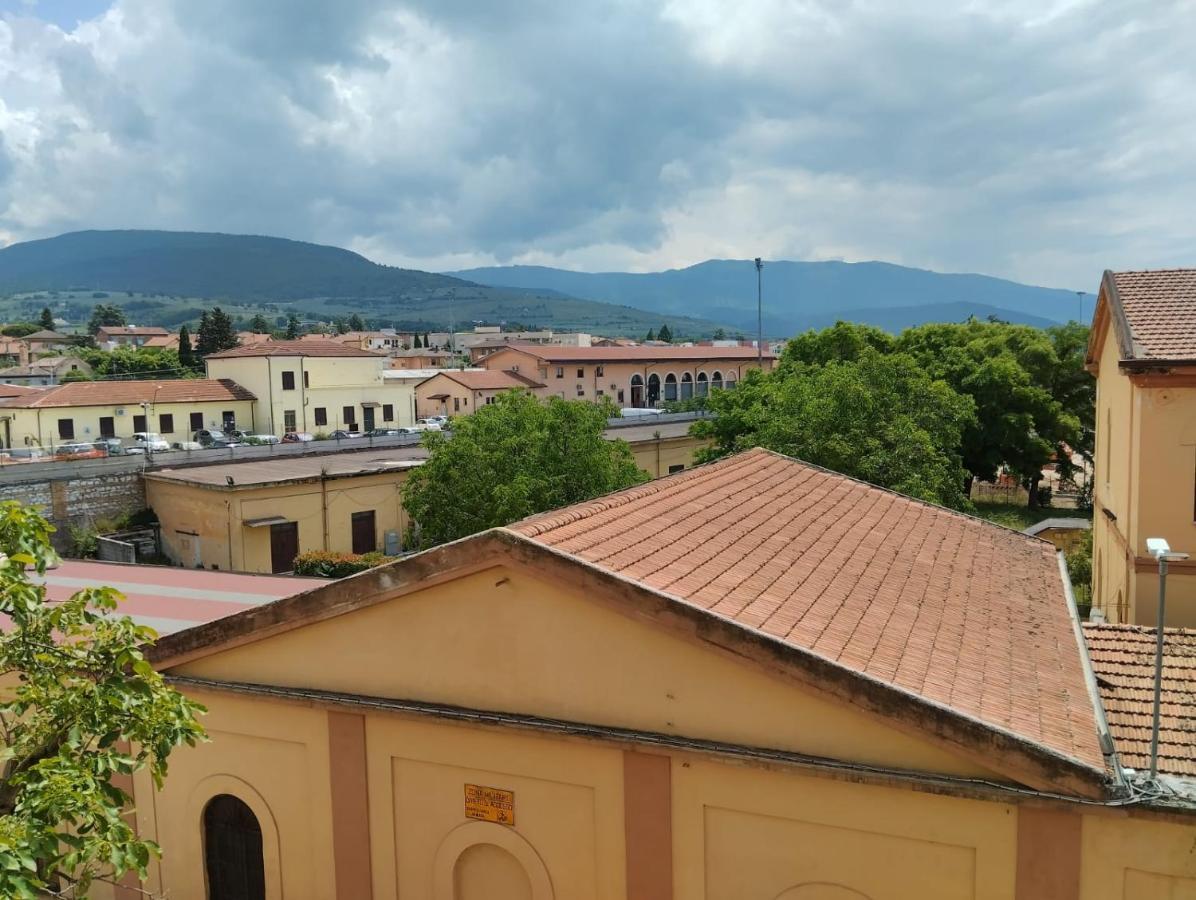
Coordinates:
632	412
383	432
150	440
442	421
245	437
110	446
432	423
78	451
341	435
187	445
213	437
24	454
297	437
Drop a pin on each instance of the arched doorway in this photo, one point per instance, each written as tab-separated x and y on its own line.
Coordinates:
687	386
653	390
703	384
637	391
716	381
232	842
485	871
670	387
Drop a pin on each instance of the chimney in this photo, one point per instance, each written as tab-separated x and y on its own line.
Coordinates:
22	353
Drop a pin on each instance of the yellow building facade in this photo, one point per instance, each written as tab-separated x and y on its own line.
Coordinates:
530	714
257	516
1145	467
316	386
86	411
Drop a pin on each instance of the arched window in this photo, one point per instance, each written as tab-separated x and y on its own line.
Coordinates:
716	381
232	840
670	387
687	386
729	384
653	389
703	384
637	391
485	870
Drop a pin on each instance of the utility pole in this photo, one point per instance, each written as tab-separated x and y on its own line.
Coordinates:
759	314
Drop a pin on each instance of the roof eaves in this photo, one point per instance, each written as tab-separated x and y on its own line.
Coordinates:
993	747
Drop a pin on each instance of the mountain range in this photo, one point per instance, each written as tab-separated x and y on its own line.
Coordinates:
168	277
802	295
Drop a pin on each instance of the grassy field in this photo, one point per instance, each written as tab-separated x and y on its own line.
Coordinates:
1021	517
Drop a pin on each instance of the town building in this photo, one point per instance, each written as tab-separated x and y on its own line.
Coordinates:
86	411
46	341
754	679
1142	351
421	358
258	516
316	386
44	371
645	376
459	392
109	337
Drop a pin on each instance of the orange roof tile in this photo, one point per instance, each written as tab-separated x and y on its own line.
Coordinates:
1123	660
489	380
1159	310
115	393
294	348
953	609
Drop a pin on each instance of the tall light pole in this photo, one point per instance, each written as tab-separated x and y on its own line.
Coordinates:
759	314
1161	550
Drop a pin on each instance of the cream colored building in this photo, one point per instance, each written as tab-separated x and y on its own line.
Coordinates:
86	411
316	386
459	392
629	376
1142	351
258	516
699	688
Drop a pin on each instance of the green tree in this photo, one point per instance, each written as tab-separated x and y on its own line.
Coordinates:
19	329
664	334
356	323
134	362
842	342
46	320
83	705
292	333
1010	372
651	335
340	327
105	315
259	325
720	334
417	345
187	357
75	375
512	458
879	417
427	340
215	333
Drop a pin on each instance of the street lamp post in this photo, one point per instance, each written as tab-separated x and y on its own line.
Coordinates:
1161	550
759	314
149	444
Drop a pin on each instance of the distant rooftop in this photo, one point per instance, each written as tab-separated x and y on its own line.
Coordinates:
552	353
170	599
488	379
116	393
1153	314
309	348
258	473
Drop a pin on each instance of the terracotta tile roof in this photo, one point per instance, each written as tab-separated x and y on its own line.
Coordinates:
17	390
294	348
1159	309
45	335
132	330
955	610
557	354
490	380
1123	660
115	393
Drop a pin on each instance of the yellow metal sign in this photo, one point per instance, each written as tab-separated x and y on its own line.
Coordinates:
489	804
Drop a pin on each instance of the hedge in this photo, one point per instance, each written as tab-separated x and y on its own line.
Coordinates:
329	564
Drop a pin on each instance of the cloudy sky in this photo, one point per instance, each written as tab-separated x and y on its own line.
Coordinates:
1042	140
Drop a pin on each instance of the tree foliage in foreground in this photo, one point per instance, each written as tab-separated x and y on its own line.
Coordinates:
513	458
878	417
80	704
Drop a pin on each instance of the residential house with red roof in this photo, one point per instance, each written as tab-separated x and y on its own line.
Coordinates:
1142	351
455	392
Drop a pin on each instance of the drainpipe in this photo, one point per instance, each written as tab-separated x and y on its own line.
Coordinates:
270	391
228	518
324	503
303	391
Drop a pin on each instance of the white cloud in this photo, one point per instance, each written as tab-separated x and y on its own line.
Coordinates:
1037	141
